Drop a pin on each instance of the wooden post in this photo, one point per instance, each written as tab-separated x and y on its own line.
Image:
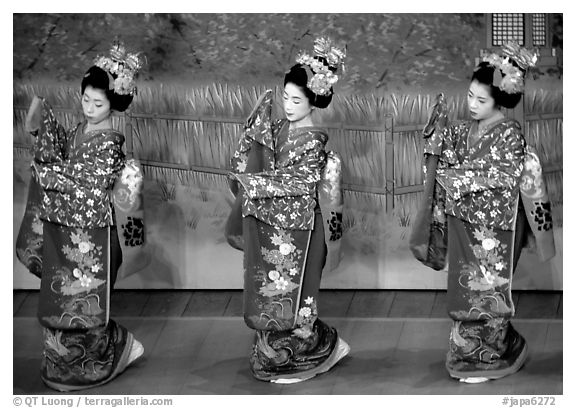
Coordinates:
389	162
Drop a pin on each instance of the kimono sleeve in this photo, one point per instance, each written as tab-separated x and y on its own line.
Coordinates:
52	139
499	169
443	144
97	171
296	180
437	132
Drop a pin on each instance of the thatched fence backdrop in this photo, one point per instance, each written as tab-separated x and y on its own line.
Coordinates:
185	137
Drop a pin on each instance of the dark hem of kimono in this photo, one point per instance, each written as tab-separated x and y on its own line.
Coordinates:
510	362
305	375
328	337
121	365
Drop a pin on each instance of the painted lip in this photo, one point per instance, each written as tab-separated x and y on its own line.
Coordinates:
473	113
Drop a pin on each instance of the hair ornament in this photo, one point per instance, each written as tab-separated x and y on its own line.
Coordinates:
508	77
124	65
324	63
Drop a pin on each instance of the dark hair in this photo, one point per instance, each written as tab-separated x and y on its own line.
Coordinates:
99	79
484	74
298	75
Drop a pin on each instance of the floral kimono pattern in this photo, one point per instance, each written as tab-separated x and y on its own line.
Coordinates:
30	240
482	185
78	253
283	243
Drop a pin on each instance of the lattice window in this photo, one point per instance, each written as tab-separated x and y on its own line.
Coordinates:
539	29
507	27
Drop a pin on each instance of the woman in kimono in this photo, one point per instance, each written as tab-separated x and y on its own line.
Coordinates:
72	242
277	176
488	176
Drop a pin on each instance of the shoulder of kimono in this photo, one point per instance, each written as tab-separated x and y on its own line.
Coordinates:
510	127
317	133
114	135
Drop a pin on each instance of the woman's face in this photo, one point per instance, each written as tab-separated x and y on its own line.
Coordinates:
296	105
480	102
95	105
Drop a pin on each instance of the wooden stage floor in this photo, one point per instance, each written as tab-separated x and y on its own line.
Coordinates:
196	343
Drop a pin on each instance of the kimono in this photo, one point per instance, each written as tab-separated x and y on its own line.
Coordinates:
277	178
68	239
486	212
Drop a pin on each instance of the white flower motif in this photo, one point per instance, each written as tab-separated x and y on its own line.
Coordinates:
96	268
274	275
489	278
241	166
277	239
293	271
85	281
79	193
285	249
488	244
77	273
281	217
38	227
281	283
84	247
305	312
499	266
309	300
90	202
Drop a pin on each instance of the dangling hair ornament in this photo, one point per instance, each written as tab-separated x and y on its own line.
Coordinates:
124	65
508	77
324	63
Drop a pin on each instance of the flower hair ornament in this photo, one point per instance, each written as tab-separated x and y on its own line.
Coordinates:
124	65
324	63
508	77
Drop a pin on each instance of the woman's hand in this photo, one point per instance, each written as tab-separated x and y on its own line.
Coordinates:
34	116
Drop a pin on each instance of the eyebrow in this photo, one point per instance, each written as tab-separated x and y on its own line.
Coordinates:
96	99
479	97
292	96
